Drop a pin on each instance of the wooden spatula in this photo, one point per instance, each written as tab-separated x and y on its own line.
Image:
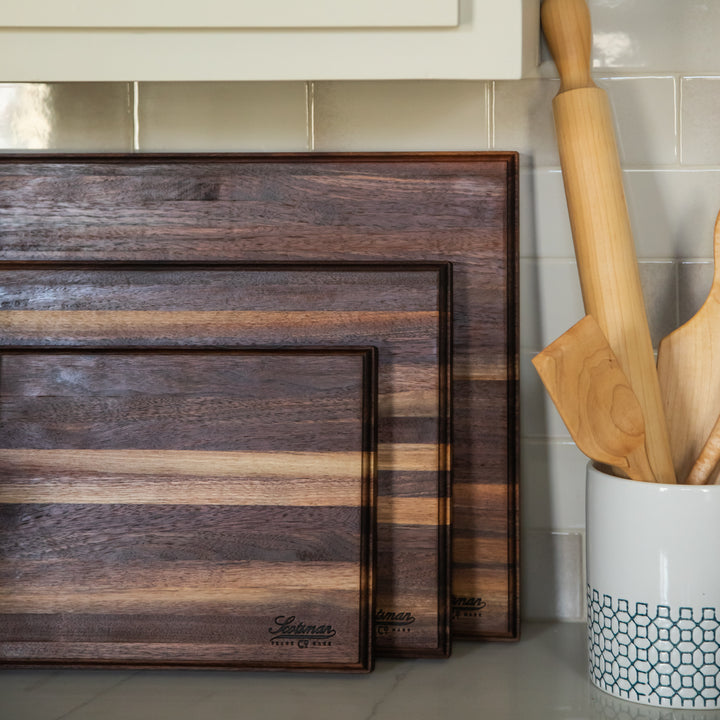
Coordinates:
594	399
689	372
705	467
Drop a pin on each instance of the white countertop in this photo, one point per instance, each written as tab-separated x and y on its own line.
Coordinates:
542	677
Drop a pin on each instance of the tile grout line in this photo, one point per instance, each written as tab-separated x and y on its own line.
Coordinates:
678	118
310	113
136	115
490	113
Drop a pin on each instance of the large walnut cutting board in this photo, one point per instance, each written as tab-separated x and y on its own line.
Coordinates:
457	207
401	310
187	507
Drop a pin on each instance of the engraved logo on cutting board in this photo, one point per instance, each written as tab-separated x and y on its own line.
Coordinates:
387	622
289	631
467	607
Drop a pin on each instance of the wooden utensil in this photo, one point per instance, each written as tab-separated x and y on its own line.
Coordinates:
594	399
604	246
689	371
704	468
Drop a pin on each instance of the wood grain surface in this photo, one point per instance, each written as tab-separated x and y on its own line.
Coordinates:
186	507
403	311
602	235
593	397
689	371
430	207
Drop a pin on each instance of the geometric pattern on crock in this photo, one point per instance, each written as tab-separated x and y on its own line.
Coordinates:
652	654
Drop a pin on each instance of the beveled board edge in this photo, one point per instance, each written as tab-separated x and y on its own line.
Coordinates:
512	349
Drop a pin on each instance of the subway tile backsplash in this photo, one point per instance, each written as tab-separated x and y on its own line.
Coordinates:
659	61
700	120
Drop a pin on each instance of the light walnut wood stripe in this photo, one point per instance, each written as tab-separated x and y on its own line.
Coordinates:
473	367
186	462
493	585
477	495
130	600
483	551
102	476
408	457
187	477
413	511
410	403
184	585
94	324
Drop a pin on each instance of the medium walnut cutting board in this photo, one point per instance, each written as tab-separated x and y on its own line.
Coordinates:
401	310
187	507
433	207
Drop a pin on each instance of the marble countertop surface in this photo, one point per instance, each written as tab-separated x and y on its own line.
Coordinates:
541	677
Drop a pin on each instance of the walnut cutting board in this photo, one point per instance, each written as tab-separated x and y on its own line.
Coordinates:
402	310
431	207
187	507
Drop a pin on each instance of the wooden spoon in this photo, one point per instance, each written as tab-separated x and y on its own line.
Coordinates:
706	465
594	399
689	372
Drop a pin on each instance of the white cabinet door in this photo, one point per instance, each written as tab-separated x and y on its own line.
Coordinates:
229	13
167	40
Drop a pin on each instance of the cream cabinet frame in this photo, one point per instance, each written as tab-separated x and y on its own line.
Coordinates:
229	13
410	39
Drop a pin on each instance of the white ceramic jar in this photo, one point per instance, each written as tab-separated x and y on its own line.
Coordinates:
653	585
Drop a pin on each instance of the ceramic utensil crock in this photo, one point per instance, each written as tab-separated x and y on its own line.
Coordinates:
653	584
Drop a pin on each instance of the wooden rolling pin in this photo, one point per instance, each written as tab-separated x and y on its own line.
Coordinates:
604	247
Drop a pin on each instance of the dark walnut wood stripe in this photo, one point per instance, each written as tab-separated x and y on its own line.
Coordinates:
457	207
63	532
406	317
119	548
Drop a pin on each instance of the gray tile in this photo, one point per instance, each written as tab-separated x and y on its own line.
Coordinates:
659	284
695	280
553	565
401	115
552	485
550	301
653	36
223	116
69	117
538	417
700	108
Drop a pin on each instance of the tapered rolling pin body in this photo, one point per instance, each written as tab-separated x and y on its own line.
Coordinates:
604	247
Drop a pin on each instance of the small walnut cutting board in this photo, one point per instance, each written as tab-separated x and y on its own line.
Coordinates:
187	507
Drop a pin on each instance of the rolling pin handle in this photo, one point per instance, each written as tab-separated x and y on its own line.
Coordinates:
567	29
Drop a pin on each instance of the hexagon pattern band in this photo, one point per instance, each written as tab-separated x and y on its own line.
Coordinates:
657	655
